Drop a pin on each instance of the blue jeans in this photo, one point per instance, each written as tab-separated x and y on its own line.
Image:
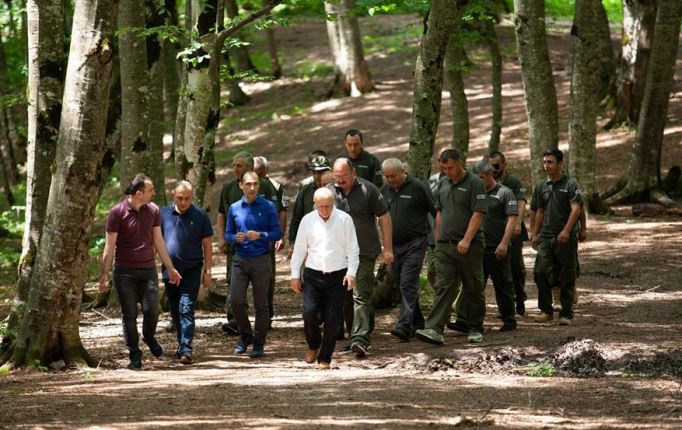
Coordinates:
137	286
407	266
181	300
323	294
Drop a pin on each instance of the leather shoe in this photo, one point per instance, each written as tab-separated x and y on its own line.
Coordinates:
310	356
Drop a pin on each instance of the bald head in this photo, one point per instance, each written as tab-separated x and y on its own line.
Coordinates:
324	202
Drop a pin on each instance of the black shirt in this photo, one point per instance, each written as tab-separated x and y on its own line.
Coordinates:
409	207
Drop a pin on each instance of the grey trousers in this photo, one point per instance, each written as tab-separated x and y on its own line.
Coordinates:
257	271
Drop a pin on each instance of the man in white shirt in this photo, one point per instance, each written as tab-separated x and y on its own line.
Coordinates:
326	241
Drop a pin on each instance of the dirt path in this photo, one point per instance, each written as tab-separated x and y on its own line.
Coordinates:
618	366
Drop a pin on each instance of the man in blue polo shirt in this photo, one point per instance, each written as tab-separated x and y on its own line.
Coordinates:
187	231
252	225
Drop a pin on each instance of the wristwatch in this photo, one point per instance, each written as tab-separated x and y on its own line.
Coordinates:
207	271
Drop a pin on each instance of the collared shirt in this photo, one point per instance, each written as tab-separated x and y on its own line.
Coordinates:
457	202
183	234
260	216
282	199
303	205
326	246
501	204
556	198
409	207
515	184
231	193
135	239
365	204
367	166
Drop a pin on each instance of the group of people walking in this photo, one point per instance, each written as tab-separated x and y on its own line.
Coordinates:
467	223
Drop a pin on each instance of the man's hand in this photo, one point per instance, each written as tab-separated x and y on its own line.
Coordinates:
349	281
174	276
241	236
501	251
388	257
463	246
296	285
279	245
104	283
253	235
290	252
534	241
563	237
517	230
582	235
207	280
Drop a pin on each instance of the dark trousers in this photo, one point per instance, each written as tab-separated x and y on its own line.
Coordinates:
518	269
257	271
271	285
323	295
137	286
501	274
181	301
553	258
228	279
407	266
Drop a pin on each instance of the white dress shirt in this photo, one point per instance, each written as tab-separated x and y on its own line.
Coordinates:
326	246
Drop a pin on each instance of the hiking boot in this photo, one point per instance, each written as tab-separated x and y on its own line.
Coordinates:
186	358
154	347
521	308
258	346
475	337
243	344
324	365
556	299
310	356
543	318
230	328
135	360
565	321
400	334
359	350
508	327
458	326
429	335
345	348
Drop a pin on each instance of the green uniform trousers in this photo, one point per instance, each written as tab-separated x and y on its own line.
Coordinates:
363	310
553	258
431	276
451	265
500	272
518	270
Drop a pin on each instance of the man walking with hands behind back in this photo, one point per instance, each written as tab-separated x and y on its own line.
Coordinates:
327	243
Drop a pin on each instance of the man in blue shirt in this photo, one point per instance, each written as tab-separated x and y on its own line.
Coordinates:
187	231
252	224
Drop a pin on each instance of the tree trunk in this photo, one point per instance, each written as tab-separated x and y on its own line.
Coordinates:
49	329
456	65
275	66
352	73
6	186
172	70
582	127
181	164
607	71
237	56
639	18
538	82
490	35
240	53
134	92
46	66
8	139
644	172
428	84
156	123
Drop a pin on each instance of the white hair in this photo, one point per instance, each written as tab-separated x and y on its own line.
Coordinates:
392	163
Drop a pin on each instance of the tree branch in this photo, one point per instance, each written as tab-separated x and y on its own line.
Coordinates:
234	28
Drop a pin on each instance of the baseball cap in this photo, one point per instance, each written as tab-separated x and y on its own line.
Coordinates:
320	163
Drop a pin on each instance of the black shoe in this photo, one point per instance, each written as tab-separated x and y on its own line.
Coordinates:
400	334
154	347
186	358
508	327
521	308
359	350
458	326
243	344
258	346
135	360
346	348
230	328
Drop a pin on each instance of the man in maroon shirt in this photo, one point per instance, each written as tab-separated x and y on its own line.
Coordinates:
133	234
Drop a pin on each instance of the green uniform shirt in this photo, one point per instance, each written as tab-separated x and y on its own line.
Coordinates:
367	166
556	198
365	204
303	205
231	193
409	207
515	184
457	202
501	203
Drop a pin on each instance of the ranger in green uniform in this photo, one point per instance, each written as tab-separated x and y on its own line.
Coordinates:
460	205
231	192
555	236
518	269
366	165
304	204
498	226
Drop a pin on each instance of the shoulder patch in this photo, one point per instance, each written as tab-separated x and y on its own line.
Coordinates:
480	196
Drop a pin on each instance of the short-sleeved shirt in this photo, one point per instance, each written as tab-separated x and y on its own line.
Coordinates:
135	229
303	205
365	204
282	200
231	193
409	207
457	202
555	199
367	166
259	215
501	203
183	234
515	184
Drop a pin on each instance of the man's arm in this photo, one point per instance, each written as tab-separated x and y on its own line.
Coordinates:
582	234
519	220
572	219
160	246
436	225
298	256
107	260
352	255
472	229
279	245
536	227
387	233
220	228
503	246
207	245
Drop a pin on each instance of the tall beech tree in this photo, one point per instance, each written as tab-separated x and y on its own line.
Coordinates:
49	328
456	65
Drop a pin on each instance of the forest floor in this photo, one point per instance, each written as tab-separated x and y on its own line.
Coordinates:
618	366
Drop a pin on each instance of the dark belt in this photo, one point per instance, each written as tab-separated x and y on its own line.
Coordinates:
449	242
327	273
